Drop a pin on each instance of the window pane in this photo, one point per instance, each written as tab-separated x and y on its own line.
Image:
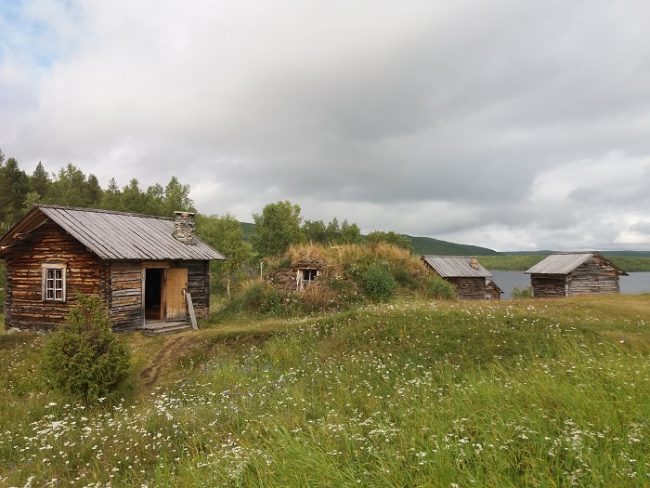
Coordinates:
59	294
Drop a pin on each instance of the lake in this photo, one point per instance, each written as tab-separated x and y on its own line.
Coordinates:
635	283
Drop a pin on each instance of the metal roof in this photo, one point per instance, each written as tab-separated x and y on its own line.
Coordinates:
455	267
119	235
565	263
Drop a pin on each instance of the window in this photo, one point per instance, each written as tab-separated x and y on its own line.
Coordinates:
54	282
306	277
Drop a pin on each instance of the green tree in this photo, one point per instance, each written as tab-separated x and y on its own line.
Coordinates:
84	359
112	197
92	192
225	235
333	231
13	191
350	233
155	200
39	181
314	231
68	188
277	228
177	197
390	237
132	199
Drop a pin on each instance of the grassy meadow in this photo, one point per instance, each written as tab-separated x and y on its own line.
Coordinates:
409	393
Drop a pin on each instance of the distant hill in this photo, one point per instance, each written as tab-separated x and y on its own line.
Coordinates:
429	245
421	245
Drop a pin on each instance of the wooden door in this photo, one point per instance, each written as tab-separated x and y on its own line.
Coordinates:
175	288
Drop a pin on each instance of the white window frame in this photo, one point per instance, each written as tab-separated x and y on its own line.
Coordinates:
52	283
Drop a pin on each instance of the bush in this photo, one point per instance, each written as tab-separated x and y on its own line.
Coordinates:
521	293
436	287
378	282
84	359
261	298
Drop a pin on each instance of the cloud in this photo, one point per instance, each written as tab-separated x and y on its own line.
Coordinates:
507	125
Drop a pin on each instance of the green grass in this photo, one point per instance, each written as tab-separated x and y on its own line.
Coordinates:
532	393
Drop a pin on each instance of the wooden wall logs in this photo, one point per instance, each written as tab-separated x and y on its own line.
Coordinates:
469	288
125	296
85	273
595	276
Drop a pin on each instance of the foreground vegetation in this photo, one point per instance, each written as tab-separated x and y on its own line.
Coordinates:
528	393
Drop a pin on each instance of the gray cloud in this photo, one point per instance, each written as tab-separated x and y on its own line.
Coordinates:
508	124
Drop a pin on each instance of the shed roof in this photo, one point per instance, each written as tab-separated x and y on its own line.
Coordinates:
114	235
565	262
455	267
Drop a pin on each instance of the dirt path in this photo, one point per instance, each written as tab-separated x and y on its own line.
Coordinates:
167	354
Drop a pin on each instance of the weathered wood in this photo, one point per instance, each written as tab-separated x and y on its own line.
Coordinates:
594	276
24	304
468	288
190	310
175	290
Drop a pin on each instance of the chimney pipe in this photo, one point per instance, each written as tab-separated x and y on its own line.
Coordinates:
184	227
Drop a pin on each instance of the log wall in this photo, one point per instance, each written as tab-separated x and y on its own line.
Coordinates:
125	294
198	284
548	286
85	273
593	277
469	288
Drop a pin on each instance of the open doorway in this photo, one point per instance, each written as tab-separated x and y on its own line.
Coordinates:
153	291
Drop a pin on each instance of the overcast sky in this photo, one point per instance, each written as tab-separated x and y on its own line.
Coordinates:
507	124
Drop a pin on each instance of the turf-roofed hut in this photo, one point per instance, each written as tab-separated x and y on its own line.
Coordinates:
141	266
468	277
574	273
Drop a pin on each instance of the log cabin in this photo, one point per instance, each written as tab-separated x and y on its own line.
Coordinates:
469	279
142	267
574	273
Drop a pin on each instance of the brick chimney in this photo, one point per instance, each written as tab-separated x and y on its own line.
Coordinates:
473	262
184	227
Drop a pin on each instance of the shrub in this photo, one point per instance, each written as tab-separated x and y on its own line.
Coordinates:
378	282
261	298
437	287
521	293
84	359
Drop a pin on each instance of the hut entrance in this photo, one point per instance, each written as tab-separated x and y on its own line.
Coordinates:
153	289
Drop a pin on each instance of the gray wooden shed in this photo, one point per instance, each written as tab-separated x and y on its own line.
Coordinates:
465	273
566	274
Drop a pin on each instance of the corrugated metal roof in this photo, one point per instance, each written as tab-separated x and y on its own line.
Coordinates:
455	267
119	235
561	263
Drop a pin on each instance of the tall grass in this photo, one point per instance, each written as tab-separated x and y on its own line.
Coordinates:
400	394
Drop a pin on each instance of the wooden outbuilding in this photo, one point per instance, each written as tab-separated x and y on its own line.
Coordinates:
468	277
145	269
492	290
574	273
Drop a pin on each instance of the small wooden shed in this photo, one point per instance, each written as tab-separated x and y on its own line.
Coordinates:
492	290
574	273
469	278
142	267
